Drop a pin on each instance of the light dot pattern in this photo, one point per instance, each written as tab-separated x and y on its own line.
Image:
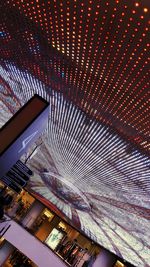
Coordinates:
94	52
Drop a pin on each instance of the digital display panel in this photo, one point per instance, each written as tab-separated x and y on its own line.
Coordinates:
93	163
98	180
54	238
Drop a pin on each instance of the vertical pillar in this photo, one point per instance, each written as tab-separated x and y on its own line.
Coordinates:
55	221
35	210
105	259
5	251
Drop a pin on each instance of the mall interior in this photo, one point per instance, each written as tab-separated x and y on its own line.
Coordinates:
72	247
86	199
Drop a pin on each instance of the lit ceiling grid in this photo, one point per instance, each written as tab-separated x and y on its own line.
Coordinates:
89	59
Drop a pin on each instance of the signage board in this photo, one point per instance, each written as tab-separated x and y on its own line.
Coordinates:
20	173
17	176
13	176
19	164
18	134
11	184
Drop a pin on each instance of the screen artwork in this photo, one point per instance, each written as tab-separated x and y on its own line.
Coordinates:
94	177
97	179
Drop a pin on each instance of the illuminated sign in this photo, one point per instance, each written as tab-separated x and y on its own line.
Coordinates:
17	177
21	131
54	238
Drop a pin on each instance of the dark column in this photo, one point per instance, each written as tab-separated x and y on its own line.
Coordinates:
35	210
5	251
105	259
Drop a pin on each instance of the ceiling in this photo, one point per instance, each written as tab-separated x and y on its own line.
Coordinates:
89	59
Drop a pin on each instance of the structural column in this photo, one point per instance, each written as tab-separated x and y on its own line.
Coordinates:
5	251
35	210
105	259
55	221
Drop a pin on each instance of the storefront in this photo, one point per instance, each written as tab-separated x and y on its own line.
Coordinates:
18	259
66	242
20	203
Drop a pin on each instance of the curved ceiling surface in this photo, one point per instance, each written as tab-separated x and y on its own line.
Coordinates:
89	59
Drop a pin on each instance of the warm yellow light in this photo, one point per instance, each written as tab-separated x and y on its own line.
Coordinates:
145	10
48	214
62	225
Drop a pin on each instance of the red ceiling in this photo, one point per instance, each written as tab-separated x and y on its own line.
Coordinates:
94	52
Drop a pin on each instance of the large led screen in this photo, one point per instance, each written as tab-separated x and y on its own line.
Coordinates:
97	179
93	176
89	60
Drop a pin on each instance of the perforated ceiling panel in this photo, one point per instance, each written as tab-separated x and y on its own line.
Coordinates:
89	59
